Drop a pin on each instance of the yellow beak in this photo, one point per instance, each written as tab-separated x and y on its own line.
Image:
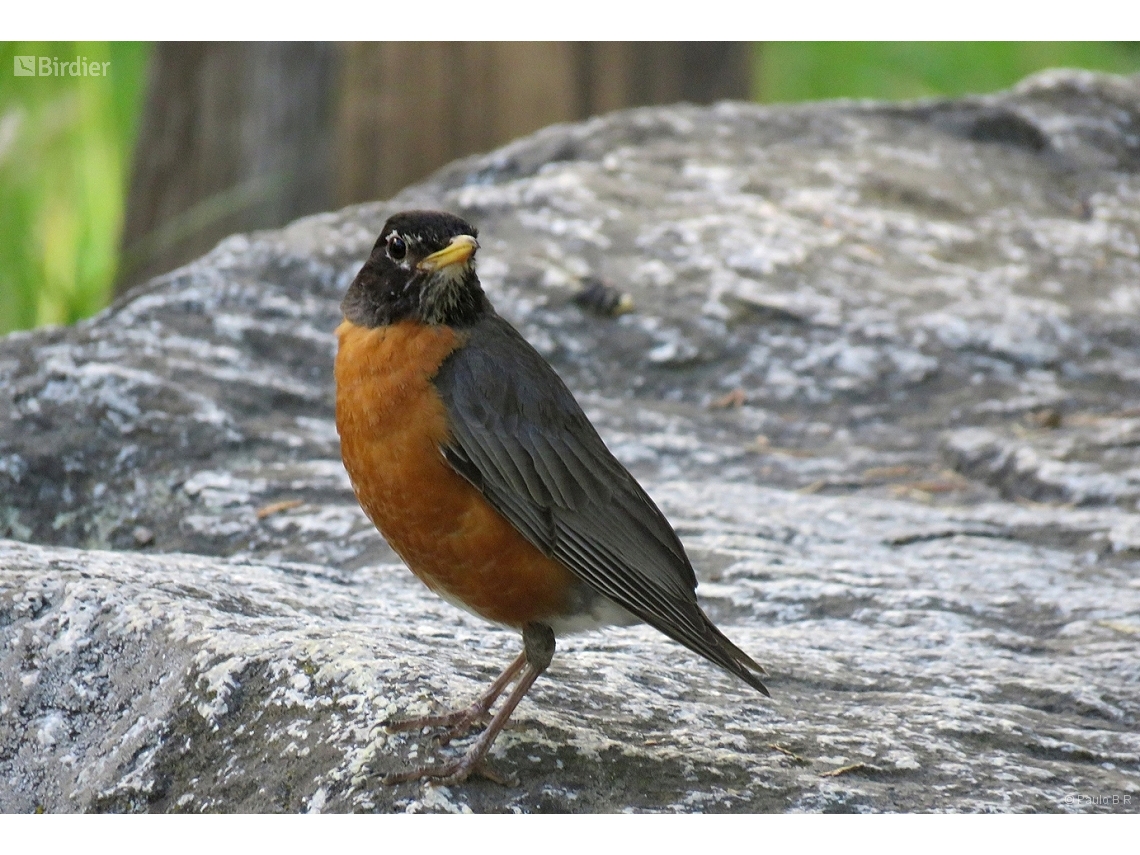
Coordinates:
461	248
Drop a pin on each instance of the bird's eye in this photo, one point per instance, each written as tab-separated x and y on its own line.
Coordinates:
397	249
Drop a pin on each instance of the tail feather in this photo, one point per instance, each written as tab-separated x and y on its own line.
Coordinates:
736	661
715	646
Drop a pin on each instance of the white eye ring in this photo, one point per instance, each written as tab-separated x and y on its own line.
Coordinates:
397	247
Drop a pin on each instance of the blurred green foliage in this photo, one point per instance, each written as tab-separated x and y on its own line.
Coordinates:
65	142
65	148
806	71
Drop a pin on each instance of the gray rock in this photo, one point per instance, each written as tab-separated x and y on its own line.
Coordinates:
882	374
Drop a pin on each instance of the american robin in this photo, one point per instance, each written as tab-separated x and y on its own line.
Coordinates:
471	456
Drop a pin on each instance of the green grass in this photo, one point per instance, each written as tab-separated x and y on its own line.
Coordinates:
65	148
65	143
806	71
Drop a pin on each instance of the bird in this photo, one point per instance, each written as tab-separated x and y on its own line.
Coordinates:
473	459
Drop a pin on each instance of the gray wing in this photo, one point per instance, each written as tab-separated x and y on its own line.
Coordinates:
518	435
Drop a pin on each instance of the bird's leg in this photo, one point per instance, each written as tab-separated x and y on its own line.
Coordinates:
458	722
538	650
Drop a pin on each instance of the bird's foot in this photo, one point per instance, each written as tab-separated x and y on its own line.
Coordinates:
455	772
457	722
539	642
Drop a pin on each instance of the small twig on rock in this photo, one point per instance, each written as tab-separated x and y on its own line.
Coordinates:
788	753
277	507
736	399
843	770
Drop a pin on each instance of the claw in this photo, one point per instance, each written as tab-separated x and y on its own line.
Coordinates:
462	728
455	772
451	719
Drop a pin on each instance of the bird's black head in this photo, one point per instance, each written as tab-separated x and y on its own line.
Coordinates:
422	268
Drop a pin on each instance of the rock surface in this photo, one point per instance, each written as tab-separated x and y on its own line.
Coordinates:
882	374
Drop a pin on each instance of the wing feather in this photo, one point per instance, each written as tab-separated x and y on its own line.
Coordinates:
519	436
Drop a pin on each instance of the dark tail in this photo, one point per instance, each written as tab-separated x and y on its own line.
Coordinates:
715	647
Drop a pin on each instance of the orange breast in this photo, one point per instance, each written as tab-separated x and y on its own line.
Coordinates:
392	423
